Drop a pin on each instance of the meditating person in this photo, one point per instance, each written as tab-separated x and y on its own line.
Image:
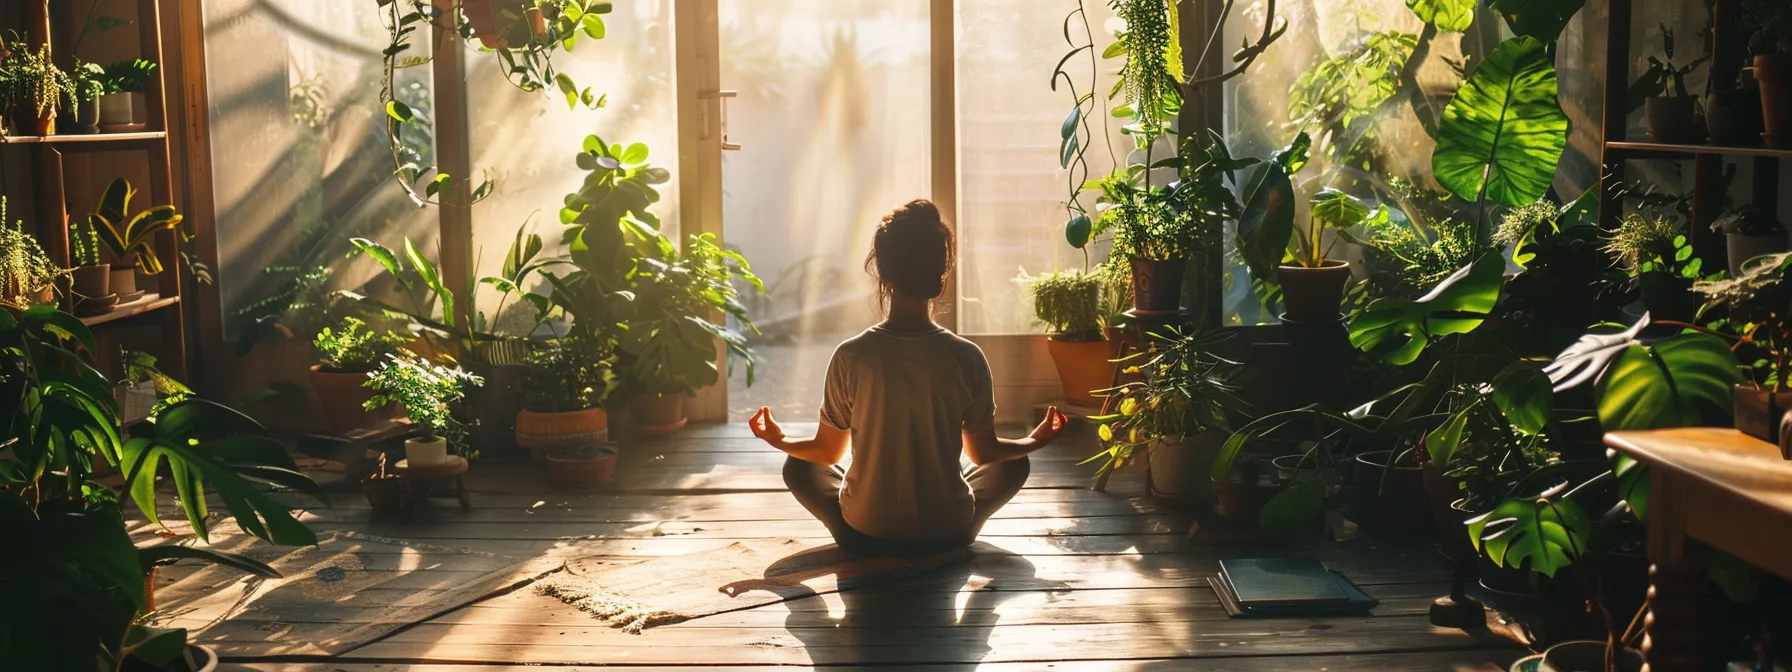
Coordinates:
909	398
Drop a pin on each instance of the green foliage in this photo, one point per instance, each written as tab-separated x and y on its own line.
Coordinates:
25	271
1768	23
1150	77
86	83
1267	222
572	373
1339	92
1662	77
1404	257
1538	19
29	77
353	347
140	369
1495	461
1401	329
1336	210
126	76
1551	532
1758	306
1449	16
670	342
1069	303
430	393
131	238
83	243
1186	390
1663	384
1652	244
1503	134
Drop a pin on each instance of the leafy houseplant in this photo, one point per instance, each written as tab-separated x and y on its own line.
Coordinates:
1757	305
131	238
670	344
27	276
1657	253
81	100
1179	413
146	391
1769	25
1313	286
564	390
1749	233
431	395
89	279
1668	106
120	83
75	582
1070	304
346	353
31	86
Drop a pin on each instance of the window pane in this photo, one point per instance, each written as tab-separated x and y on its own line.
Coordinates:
832	120
1011	188
299	154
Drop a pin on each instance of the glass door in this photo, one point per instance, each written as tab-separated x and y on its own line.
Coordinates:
827	129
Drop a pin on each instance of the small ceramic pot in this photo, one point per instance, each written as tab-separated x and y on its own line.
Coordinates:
1314	294
91	282
425	453
116	109
123	280
657	414
1670	118
385	496
1157	284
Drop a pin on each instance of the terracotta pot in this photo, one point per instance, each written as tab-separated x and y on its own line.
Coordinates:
425	452
1758	411
542	433
341	396
1157	284
583	466
385	496
123	280
1774	72
1733	118
1670	118
483	14
656	414
1313	294
1589	656
1083	367
1391	501
91	282
538	24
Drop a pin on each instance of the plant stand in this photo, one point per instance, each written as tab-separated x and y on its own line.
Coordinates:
1322	355
417	481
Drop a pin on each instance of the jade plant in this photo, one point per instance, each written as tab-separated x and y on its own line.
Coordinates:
430	393
353	347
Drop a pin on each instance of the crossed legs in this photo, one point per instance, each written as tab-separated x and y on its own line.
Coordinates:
817	488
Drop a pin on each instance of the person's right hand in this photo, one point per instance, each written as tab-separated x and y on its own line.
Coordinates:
1054	423
766	428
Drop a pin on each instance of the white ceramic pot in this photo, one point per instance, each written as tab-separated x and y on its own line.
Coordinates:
1182	467
1742	248
116	109
135	400
421	453
1587	656
202	657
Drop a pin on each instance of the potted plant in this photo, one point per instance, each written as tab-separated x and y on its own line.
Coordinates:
384	491
31	84
145	388
1313	286
1070	304
670	343
90	280
583	466
81	101
346	354
27	276
1656	252
121	83
1152	235
1769	24
564	390
1669	109
1179	413
1758	305
131	238
1748	233
431	395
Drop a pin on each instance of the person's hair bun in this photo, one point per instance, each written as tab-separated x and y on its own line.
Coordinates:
912	251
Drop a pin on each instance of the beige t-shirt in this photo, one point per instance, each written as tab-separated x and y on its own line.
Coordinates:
907	399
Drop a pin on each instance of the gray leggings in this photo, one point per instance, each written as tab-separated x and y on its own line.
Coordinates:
817	488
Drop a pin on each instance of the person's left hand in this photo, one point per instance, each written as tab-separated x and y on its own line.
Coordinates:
766	428
1050	427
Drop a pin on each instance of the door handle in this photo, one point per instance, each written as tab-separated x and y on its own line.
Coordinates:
723	96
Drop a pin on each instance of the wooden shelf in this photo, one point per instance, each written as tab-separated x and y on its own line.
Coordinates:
148	303
1643	150
89	141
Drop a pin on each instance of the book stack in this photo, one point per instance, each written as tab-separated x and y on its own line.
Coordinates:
1286	587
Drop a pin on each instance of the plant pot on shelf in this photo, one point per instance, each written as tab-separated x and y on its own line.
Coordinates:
123	281
1181	468
1589	656
584	466
1668	297
1157	284
1758	411
1774	73
342	398
545	432
1391	499
421	452
1314	294
84	119
1670	118
116	109
1741	248
656	414
91	282
1083	367
135	400
1733	118
385	495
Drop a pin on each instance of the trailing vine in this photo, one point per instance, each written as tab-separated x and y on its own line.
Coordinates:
1076	132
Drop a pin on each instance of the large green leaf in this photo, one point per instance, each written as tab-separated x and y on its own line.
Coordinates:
1523	394
71	583
1633	484
1285	513
1450	16
1550	533
1541	19
1504	132
1267	222
1649	387
1400	329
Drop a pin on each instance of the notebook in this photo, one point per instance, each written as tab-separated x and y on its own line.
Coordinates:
1281	582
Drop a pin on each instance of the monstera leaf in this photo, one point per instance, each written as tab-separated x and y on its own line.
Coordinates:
1522	393
1456	306
1549	531
1503	133
1450	16
1541	19
1660	385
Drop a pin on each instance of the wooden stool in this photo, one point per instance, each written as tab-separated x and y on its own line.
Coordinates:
417	480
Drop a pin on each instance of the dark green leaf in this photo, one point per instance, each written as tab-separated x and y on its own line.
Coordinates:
1549	534
1504	132
1457	305
1076	231
399	111
1285	513
1449	16
1524	395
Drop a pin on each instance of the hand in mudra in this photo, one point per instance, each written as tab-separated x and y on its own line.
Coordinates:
1054	423
765	427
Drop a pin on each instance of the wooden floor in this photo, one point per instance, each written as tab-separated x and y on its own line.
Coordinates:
1089	581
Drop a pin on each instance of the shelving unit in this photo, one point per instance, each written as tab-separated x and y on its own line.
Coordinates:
1708	160
162	306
